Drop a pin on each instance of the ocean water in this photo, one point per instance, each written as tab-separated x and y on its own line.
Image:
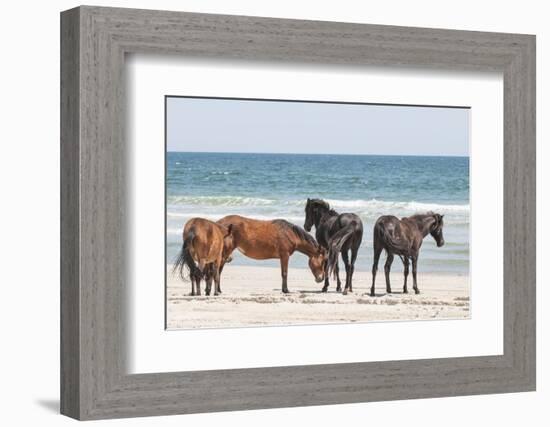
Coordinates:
269	186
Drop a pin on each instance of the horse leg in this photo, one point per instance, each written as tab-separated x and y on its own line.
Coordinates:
338	282
198	284
192	284
216	271
377	252
414	262
352	267
387	268
327	283
201	271
208	281
345	257
195	282
284	272
220	283
405	273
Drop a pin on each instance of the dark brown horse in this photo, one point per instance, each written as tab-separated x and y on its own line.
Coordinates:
206	247
339	234
404	238
277	239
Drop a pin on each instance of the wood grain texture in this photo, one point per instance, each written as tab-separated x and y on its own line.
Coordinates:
94	382
70	258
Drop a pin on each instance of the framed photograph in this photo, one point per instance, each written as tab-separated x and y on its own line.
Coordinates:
280	213
367	178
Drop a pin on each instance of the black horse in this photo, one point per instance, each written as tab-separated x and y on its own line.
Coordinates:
403	237
338	233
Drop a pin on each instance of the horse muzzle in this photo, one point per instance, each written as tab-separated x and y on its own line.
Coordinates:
319	279
439	244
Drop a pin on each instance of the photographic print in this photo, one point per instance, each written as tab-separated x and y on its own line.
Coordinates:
289	212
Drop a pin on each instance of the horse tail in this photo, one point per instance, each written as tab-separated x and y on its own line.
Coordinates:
382	236
336	243
185	259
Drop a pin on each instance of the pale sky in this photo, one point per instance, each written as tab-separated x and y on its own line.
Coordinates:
242	126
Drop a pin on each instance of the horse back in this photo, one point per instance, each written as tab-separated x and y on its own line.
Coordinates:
207	243
347	219
396	235
257	239
232	220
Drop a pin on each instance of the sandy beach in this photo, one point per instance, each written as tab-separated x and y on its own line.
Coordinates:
251	296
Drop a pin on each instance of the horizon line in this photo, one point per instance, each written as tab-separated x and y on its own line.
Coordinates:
321	154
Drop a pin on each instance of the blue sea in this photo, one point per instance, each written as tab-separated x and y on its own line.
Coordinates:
269	186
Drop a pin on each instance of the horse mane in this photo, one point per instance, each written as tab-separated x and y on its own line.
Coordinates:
321	203
422	216
298	231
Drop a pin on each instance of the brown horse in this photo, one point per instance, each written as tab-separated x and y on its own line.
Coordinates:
404	238
206	247
277	239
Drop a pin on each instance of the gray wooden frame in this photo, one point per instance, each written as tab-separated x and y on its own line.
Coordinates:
94	41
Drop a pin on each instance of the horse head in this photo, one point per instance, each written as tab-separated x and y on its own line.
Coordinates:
317	264
314	209
436	230
228	244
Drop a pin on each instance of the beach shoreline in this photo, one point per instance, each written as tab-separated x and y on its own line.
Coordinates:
251	296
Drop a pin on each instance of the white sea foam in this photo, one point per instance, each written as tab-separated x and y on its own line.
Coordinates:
372	204
220	200
375	204
216	216
181	209
173	231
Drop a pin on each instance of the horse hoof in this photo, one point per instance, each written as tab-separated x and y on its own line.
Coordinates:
372	294
405	291
345	292
416	291
324	290
339	289
285	291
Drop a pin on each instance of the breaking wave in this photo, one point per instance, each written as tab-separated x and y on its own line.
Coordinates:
359	204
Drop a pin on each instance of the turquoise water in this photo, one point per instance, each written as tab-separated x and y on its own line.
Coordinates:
269	186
